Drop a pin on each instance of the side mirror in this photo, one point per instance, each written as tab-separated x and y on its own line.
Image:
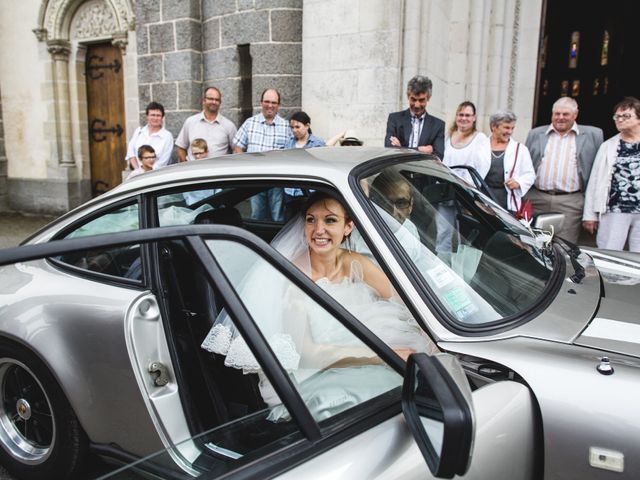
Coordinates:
437	406
544	221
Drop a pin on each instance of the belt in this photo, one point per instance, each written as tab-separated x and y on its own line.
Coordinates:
557	192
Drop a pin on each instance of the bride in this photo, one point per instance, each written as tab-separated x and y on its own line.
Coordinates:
332	368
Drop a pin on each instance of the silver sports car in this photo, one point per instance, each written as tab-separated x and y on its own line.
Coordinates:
535	370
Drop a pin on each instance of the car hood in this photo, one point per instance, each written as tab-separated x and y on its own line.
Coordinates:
616	325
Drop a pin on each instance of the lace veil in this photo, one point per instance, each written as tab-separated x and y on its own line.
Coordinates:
266	294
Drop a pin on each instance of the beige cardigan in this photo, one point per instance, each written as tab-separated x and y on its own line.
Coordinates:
596	197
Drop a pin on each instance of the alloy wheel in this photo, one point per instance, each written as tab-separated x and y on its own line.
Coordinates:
27	426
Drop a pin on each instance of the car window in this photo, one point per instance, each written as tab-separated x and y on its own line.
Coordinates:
482	264
125	261
336	375
249	203
331	368
238	205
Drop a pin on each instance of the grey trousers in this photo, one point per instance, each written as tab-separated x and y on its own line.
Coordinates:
571	204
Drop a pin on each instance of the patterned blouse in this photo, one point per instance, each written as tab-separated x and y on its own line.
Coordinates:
624	196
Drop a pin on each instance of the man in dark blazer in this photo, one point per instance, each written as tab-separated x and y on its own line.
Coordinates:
414	127
562	155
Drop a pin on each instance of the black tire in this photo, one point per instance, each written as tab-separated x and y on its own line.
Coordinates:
40	435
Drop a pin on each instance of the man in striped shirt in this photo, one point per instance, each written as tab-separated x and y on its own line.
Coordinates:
562	154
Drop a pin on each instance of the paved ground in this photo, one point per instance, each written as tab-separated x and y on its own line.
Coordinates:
15	227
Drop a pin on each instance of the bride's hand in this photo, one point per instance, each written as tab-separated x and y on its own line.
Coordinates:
404	352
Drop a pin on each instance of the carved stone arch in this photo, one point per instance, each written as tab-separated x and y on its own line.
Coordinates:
55	16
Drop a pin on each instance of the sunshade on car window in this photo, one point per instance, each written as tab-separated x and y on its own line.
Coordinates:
482	264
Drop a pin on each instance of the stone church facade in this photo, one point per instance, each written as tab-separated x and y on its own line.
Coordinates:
344	62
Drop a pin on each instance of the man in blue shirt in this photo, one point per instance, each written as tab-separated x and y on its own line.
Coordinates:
260	133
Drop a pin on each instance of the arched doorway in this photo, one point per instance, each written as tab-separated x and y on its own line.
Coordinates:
588	50
87	40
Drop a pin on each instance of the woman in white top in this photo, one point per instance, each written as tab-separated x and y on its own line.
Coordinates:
153	134
464	145
511	173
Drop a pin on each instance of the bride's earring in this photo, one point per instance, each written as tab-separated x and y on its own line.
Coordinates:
348	243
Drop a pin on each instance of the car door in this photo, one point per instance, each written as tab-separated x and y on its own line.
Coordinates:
362	439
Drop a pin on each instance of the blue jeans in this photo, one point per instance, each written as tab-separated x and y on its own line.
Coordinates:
268	205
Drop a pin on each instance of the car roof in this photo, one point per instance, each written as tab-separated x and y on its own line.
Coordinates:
304	162
330	163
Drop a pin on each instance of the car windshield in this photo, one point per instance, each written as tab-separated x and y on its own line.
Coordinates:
479	262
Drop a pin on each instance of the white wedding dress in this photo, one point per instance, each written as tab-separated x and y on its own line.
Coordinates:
332	369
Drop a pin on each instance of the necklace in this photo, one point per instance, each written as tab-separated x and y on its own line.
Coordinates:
500	155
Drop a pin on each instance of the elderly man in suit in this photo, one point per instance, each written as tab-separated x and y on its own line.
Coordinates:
562	155
414	127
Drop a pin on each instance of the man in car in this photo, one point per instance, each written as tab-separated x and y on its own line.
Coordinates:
263	132
210	125
414	127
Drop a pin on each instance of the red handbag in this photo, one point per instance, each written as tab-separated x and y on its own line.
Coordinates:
525	209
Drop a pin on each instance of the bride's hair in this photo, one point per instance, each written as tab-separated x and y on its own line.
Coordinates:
319	196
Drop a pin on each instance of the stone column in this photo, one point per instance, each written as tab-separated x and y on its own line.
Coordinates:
59	50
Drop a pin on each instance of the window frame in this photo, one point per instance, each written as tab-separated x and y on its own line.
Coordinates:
316	439
422	288
99	276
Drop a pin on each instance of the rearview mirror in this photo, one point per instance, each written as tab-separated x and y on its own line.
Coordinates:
545	221
437	406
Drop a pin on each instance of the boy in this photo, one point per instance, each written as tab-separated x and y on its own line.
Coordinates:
147	156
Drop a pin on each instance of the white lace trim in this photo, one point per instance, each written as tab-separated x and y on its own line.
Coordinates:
218	340
238	354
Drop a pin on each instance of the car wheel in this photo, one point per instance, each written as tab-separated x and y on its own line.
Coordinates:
40	436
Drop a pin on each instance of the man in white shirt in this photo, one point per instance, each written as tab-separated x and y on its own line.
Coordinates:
153	134
210	125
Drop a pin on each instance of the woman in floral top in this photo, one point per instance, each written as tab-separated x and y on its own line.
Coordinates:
612	200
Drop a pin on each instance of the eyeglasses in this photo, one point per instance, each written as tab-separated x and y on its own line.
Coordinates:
622	116
267	102
212	99
198	153
401	203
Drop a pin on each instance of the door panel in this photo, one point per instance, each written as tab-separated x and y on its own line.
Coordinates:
504	445
105	99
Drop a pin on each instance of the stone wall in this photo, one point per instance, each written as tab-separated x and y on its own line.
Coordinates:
359	55
239	46
4	204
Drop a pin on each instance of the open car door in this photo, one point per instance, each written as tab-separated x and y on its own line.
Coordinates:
354	411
